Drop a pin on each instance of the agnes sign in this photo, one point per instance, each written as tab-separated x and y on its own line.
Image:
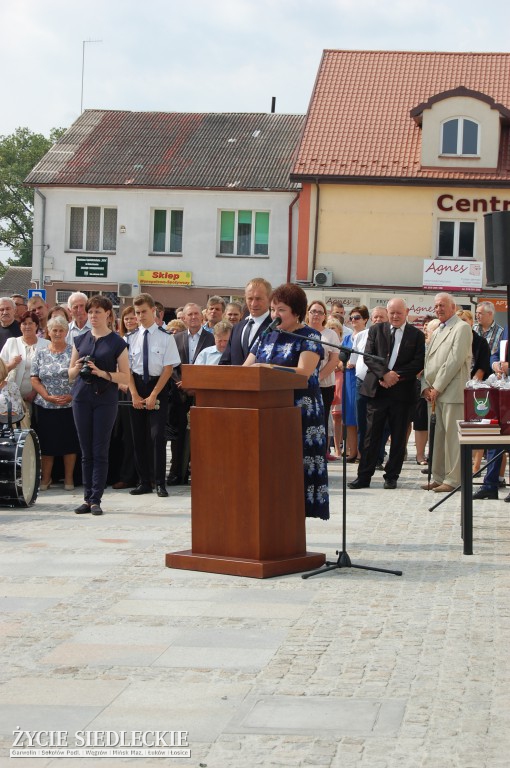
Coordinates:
447	275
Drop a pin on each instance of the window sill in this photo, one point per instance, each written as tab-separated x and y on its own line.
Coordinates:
236	256
165	253
458	157
91	253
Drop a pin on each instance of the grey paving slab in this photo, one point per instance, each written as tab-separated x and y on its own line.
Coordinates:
48	565
306	715
42	691
201	708
45	718
30	605
205	657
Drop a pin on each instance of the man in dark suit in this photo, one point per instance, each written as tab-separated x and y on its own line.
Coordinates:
257	294
189	344
391	389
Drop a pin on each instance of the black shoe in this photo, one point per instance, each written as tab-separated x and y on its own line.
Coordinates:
141	489
502	483
390	485
507	498
161	491
486	493
96	509
82	509
173	480
358	484
379	467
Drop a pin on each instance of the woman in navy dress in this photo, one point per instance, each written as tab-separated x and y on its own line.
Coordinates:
288	302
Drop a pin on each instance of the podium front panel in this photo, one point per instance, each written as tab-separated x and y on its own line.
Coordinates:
247	493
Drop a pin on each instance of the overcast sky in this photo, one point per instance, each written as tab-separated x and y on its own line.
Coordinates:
208	55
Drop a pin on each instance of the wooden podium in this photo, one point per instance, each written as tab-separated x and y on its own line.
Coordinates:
247	491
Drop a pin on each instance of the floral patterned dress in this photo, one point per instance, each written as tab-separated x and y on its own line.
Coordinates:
280	349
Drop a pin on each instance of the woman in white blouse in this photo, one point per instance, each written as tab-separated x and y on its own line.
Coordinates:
18	354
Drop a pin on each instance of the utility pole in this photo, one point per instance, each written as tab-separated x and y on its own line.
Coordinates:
84	43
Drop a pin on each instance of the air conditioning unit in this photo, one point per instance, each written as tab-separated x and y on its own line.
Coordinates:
125	290
323	277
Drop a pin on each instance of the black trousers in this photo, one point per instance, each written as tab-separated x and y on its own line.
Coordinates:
379	409
149	435
179	406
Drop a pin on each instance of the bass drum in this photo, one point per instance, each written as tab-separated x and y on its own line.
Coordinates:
20	467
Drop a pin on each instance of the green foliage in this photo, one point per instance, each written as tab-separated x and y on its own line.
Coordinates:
19	153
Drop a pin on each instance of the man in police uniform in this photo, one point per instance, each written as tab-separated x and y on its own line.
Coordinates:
152	356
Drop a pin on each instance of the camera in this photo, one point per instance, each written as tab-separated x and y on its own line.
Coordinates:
85	372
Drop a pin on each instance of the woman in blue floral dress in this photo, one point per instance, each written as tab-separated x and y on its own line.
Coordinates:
289	303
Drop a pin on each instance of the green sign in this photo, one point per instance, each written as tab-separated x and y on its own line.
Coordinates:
91	266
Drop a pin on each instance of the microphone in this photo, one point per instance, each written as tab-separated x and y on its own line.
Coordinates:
271	327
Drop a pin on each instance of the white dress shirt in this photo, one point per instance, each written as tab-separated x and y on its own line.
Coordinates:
162	350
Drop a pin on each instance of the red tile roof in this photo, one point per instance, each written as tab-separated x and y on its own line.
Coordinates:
173	150
359	124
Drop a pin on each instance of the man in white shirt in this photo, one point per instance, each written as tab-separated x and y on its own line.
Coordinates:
76	304
152	356
257	296
212	355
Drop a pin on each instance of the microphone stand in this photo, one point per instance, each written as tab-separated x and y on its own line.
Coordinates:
343	559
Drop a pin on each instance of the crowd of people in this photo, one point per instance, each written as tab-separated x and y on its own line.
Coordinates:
111	391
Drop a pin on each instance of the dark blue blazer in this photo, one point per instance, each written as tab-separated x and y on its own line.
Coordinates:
233	354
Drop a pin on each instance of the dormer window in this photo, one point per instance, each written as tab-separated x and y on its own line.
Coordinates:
460	136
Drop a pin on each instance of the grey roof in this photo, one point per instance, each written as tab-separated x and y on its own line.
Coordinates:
16	280
173	150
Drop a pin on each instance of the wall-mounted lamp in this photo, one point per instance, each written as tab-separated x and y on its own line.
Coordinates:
122	229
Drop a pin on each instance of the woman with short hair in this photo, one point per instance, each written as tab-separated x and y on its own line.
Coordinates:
18	354
54	421
303	355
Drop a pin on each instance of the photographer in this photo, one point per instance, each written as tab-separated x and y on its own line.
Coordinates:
99	363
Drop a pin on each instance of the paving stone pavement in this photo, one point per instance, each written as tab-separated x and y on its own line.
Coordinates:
350	669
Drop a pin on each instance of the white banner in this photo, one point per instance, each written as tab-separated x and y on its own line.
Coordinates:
452	274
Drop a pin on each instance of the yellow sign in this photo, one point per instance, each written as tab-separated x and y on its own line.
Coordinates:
162	277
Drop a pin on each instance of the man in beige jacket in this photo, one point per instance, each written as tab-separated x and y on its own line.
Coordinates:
447	364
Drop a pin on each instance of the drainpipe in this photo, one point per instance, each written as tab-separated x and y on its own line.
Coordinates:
43	237
316	233
289	257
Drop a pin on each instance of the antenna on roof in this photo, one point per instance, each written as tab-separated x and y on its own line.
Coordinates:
84	43
273	104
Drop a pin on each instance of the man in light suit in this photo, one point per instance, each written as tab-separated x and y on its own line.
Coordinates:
257	295
390	389
447	365
189	344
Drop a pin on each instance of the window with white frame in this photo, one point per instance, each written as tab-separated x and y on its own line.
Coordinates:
244	233
460	136
166	231
456	240
92	228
